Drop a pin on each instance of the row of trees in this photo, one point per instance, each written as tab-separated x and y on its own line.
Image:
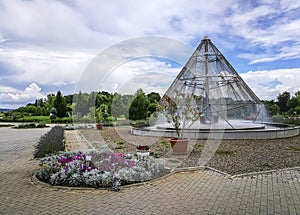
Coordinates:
104	106
285	104
56	104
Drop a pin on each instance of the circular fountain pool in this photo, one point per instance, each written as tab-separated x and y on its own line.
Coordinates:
238	129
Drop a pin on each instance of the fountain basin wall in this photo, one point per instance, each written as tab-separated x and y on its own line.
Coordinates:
266	133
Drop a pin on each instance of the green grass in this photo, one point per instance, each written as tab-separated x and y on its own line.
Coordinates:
27	118
37	119
165	143
155	155
293	148
120	142
119	147
224	152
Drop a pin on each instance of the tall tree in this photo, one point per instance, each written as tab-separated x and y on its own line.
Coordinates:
153	97
282	101
50	102
294	104
118	106
60	105
139	106
271	107
81	107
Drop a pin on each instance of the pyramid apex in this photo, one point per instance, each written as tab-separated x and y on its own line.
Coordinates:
205	38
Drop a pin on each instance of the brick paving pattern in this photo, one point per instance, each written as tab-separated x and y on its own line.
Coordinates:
194	192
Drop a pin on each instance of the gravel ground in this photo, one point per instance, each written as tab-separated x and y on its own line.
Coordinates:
244	156
230	156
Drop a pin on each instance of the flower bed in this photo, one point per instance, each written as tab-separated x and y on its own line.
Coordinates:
98	169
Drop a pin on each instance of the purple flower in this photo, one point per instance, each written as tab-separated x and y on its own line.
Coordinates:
62	160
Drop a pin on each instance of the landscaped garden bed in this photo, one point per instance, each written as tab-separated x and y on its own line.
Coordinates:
120	165
98	169
232	156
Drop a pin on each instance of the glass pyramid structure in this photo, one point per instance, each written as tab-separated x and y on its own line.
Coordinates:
222	95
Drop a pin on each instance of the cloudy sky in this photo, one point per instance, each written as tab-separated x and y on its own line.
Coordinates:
46	46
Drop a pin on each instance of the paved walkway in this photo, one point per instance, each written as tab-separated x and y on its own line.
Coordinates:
198	192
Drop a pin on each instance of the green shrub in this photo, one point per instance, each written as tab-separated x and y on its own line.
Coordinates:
31	125
139	123
51	142
41	125
63	120
224	152
120	142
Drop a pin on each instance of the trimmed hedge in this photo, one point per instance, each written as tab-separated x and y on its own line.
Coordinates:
51	142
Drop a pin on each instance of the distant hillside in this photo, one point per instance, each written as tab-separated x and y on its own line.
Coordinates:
5	110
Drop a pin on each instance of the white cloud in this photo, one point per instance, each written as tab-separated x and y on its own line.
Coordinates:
45	67
273	27
268	84
149	74
51	42
105	64
44	23
6	89
10	97
289	4
100	24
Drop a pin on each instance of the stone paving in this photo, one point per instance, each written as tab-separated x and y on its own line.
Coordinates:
193	192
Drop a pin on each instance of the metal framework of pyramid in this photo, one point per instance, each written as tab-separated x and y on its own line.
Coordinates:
225	97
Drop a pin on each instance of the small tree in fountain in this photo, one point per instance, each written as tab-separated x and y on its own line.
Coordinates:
181	111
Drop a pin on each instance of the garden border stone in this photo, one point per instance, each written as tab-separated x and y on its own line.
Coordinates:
38	182
263	172
172	172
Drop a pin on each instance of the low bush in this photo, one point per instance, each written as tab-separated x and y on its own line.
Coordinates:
51	142
5	125
31	125
225	152
139	123
41	125
98	169
65	120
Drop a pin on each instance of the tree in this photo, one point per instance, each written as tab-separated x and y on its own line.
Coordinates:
282	101
139	106
81	107
153	97
69	99
50	102
60	105
118	106
294	104
53	113
271	107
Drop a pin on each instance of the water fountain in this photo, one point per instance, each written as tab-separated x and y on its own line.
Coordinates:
227	107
